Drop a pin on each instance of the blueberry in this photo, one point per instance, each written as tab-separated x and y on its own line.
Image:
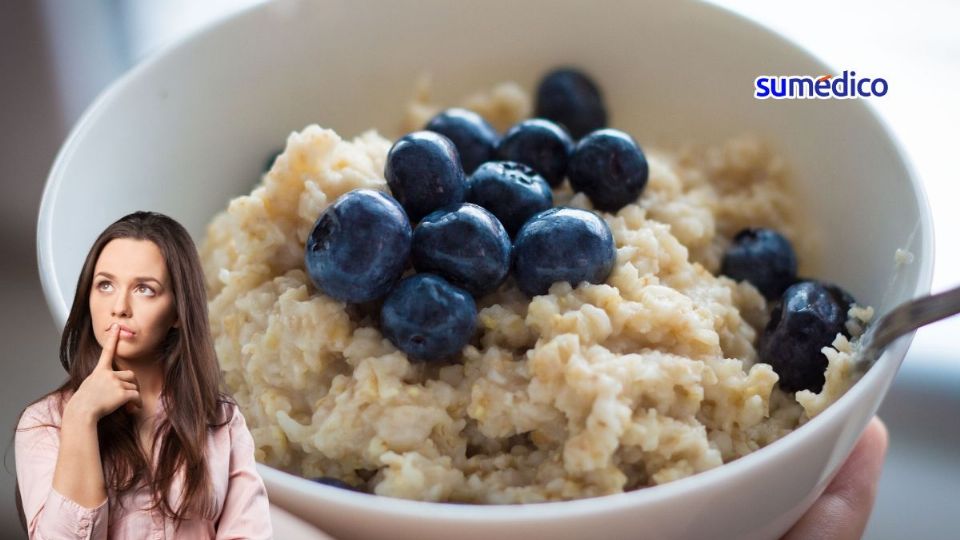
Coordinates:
562	244
474	137
540	144
763	257
511	191
359	246
424	173
609	167
843	298
464	244
569	97
806	319
428	318
334	482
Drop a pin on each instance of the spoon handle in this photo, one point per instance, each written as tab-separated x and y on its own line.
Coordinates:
906	318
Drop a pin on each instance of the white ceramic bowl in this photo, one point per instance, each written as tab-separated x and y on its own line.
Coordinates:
191	127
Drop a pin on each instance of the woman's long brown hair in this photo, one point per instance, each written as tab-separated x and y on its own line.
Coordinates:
193	400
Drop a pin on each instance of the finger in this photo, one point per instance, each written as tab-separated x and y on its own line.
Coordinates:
127	376
843	509
129	386
109	347
133	396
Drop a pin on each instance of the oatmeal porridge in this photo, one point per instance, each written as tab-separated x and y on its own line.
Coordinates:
649	376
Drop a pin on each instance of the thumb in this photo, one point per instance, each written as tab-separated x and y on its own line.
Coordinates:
109	347
843	509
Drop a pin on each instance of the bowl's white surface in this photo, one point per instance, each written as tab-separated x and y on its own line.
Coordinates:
191	127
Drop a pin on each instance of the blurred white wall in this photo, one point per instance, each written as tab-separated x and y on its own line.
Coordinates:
32	127
56	56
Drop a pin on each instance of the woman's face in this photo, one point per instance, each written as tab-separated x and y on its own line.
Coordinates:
131	287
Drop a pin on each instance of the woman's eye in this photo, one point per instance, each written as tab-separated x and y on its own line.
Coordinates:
143	289
104	286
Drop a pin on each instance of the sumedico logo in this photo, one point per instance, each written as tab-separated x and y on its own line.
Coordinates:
845	86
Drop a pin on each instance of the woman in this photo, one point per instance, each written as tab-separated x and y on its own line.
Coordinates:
139	441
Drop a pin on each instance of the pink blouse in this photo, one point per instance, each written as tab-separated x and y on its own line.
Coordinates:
242	508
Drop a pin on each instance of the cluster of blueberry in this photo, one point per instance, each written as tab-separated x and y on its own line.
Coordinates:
807	314
469	206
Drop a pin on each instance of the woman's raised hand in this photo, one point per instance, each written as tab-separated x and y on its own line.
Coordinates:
105	390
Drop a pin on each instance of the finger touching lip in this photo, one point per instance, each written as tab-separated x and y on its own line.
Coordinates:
125	332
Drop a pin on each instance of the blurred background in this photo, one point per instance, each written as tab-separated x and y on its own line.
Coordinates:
58	55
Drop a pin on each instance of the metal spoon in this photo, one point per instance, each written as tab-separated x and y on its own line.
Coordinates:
904	319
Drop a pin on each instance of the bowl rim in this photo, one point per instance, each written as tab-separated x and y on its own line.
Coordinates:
425	510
